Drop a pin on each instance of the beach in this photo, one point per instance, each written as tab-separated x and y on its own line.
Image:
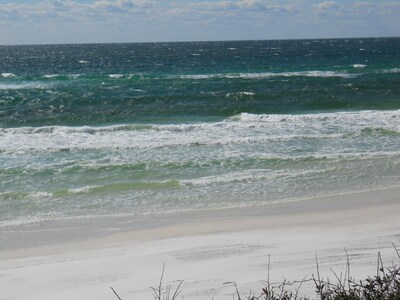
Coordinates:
210	157
217	247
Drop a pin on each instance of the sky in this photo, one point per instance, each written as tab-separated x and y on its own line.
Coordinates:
105	21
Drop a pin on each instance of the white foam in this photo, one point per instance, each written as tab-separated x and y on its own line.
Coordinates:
205	76
40	195
83	62
116	76
243	129
51	75
74	76
228	95
70	76
8	75
383	117
245	176
81	190
393	70
26	220
359	66
316	73
20	86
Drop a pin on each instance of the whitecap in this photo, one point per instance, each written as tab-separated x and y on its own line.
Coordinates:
244	128
40	195
314	73
239	94
116	76
21	86
74	76
247	176
81	190
50	75
393	70
359	66
199	76
8	75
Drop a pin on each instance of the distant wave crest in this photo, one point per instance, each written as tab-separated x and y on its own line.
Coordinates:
315	73
8	75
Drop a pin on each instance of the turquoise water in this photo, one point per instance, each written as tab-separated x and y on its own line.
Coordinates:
111	129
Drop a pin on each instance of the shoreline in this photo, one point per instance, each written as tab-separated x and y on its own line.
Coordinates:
224	246
274	215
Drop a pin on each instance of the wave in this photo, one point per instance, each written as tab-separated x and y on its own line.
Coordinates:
124	186
315	73
72	77
239	95
51	76
243	129
261	75
379	132
154	76
146	168
8	75
22	86
248	175
62	76
325	125
113	187
70	130
239	75
393	70
24	195
117	76
260	169
359	66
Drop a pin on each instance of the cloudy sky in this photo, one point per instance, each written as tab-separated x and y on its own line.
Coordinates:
87	21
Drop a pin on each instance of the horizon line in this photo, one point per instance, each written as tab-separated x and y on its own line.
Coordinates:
202	41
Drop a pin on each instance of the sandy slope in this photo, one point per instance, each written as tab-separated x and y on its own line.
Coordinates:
230	245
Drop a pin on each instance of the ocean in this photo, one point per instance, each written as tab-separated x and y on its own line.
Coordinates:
100	131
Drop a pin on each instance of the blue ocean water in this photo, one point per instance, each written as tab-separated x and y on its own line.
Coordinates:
108	129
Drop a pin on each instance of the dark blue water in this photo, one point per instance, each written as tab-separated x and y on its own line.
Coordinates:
165	82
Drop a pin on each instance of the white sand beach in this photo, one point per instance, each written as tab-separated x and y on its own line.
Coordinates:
214	248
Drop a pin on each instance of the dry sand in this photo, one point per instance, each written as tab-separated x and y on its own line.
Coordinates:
216	247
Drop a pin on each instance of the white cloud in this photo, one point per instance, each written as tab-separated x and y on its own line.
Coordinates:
46	10
359	9
52	9
122	4
328	7
219	5
252	5
331	8
197	19
244	5
362	4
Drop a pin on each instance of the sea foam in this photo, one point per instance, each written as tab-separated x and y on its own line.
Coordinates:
240	129
263	75
8	75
